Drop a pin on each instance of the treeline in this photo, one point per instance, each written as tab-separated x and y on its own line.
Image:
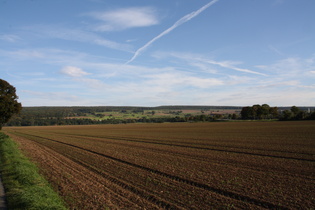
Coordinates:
202	108
44	116
259	112
296	113
33	121
41	112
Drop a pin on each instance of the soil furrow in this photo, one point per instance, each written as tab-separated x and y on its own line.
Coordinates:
145	195
74	178
187	156
211	149
233	195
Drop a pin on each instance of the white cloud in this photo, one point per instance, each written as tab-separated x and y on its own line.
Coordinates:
191	81
78	77
125	18
73	71
179	79
238	80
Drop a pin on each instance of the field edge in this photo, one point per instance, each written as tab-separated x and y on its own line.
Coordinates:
24	187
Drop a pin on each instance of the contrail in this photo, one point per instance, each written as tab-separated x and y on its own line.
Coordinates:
175	25
225	65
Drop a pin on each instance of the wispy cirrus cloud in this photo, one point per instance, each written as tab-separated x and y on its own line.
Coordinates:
125	18
275	50
176	78
52	56
229	65
192	80
9	37
50	98
24	54
175	25
206	63
76	34
291	67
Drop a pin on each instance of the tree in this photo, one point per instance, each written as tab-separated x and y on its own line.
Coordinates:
274	112
234	116
265	108
257	111
312	116
301	115
287	115
8	102
295	110
247	112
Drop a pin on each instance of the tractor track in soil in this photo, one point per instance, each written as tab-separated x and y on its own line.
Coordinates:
90	176
157	142
176	153
232	195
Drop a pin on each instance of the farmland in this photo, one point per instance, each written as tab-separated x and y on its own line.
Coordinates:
177	165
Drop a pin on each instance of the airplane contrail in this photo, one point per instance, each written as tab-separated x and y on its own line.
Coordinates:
175	25
226	65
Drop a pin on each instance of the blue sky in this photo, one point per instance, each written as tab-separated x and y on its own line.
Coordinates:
158	52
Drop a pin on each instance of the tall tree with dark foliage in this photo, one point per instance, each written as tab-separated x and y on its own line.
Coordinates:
8	102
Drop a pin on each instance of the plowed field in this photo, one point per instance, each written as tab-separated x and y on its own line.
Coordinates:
177	166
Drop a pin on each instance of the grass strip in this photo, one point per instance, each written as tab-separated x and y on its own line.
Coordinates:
24	187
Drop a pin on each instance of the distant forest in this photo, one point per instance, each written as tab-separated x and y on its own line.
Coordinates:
43	116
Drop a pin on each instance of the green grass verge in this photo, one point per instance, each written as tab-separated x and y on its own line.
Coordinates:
25	188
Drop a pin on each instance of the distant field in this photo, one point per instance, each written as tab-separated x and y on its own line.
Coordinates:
177	165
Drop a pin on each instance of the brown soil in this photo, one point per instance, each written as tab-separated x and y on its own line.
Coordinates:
80	187
195	166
